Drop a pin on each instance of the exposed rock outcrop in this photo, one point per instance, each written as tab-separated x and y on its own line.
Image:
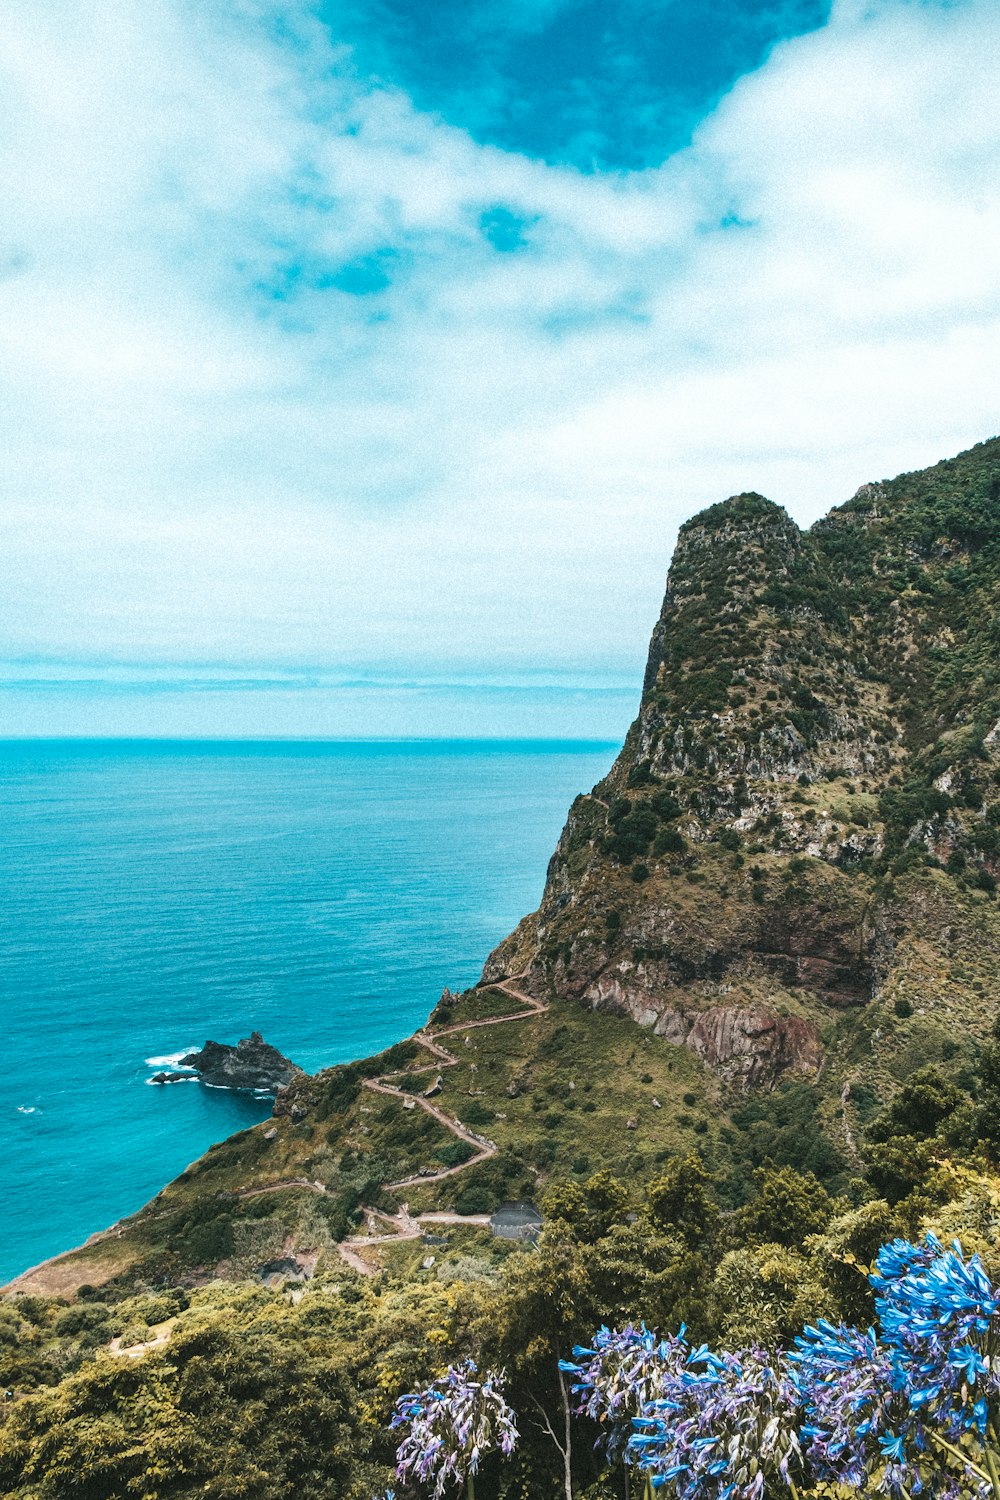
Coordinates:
252	1064
752	1047
814	765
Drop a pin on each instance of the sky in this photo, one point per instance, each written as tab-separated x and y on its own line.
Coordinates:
359	361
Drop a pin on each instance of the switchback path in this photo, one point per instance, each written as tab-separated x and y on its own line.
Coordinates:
56	1276
405	1226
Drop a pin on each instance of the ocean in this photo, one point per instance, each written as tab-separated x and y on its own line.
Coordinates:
154	894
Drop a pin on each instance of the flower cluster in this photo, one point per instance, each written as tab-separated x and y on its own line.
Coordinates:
855	1414
888	1412
451	1425
939	1314
910	1410
616	1379
723	1427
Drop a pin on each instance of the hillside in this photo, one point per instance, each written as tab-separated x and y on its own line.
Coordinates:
750	1034
779	902
790	869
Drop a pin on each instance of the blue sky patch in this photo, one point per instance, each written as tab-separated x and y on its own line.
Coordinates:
597	84
367	274
505	229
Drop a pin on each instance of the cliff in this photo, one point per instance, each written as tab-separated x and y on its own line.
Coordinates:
802	832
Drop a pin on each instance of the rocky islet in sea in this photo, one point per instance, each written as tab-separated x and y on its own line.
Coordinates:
252	1065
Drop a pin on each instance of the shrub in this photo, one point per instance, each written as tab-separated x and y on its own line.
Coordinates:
640	774
84	1318
919	1107
454	1153
474	1200
665	806
632	833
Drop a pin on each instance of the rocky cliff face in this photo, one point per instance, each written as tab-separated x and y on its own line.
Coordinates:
803	826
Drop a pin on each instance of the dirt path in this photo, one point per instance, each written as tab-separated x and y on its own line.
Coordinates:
161	1337
443	1218
59	1275
431	1108
354	1261
407	1227
279	1187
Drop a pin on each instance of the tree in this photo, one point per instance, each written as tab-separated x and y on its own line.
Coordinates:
607	1202
920	1107
897	1166
846	1251
591	1209
682	1200
788	1206
763	1294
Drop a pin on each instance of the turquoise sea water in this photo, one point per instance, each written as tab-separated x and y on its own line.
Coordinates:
154	894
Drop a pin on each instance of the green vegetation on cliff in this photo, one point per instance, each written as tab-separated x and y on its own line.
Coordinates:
235	1388
745	1039
791	867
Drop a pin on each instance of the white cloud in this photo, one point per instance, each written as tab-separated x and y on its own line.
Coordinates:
215	453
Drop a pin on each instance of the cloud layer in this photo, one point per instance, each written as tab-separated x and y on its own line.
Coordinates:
297	376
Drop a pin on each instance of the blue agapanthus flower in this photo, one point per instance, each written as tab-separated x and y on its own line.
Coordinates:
723	1428
940	1316
895	1413
617	1377
847	1385
451	1425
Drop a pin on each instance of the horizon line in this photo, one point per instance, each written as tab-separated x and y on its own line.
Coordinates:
289	739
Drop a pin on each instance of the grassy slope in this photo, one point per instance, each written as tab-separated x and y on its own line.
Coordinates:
580	1079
